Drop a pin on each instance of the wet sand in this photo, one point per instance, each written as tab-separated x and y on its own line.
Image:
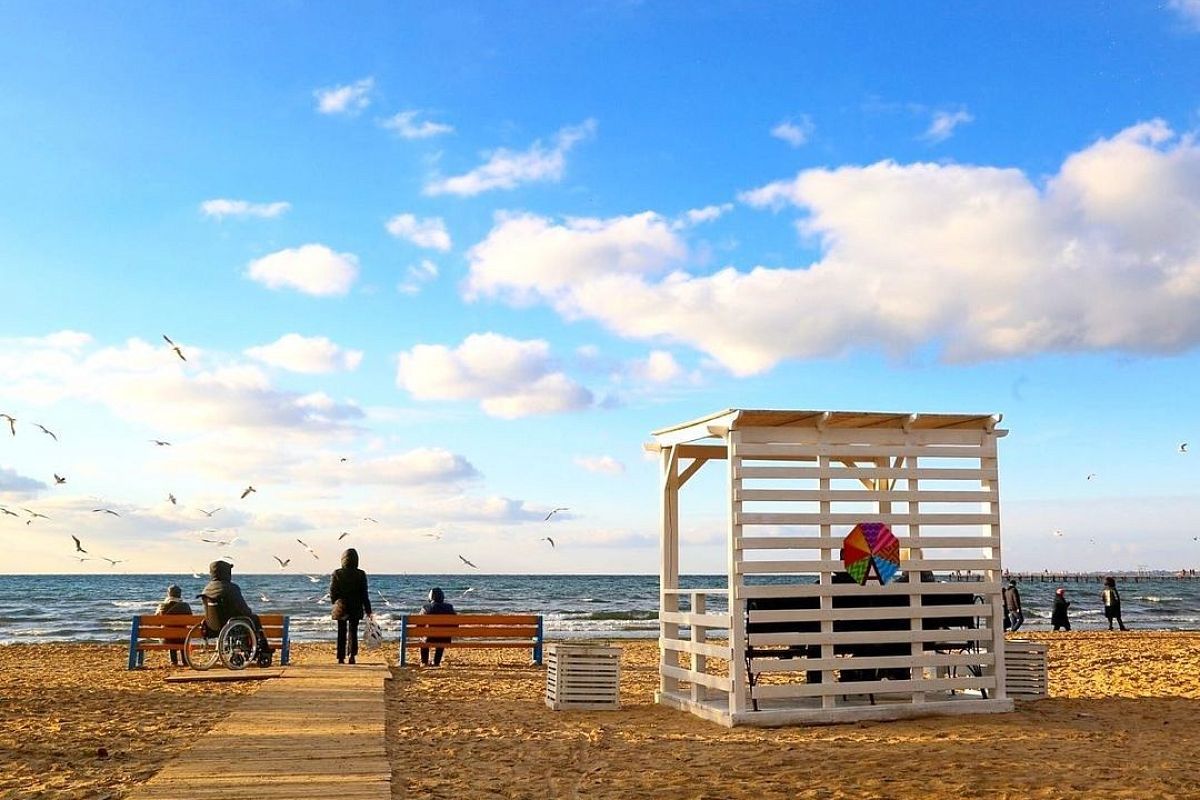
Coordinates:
1122	722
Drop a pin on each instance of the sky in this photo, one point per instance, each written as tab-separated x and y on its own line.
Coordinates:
436	270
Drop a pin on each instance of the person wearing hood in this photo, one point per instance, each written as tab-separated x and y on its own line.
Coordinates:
223	598
1012	605
1058	617
437	605
350	598
173	604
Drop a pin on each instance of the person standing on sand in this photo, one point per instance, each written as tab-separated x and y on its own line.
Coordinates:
173	604
437	605
1058	617
1112	603
350	598
1012	605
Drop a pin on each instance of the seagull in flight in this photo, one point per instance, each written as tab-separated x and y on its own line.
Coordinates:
105	511
35	514
343	460
555	511
344	535
171	497
47	431
313	579
264	598
10	513
469	589
434	535
370	519
1091	475
208	513
161	443
547	539
1058	532
59	479
196	575
309	549
174	347
468	563
283	562
1183	447
220	542
78	544
383	597
12	423
113	561
248	490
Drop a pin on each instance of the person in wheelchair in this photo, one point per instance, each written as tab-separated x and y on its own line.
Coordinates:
223	601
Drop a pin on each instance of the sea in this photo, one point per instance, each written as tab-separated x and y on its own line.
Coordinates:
99	608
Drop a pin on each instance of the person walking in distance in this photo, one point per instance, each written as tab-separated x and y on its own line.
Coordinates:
351	600
1012	605
1112	603
1058	617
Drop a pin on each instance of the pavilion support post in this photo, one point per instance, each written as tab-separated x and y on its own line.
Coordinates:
699	636
994	574
668	582
826	579
737	614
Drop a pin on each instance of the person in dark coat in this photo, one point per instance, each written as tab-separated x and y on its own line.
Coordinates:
1012	605
350	598
437	605
1112	603
223	601
1058	617
173	604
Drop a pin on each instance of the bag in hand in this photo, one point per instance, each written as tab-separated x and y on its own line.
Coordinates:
372	638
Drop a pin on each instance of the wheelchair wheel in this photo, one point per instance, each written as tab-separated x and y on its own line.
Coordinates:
199	649
237	644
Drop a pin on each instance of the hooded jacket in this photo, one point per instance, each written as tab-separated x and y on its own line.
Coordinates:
348	589
437	603
224	594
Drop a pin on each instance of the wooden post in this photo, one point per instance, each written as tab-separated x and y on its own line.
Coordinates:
537	648
403	639
915	553
737	614
826	579
285	647
699	636
993	575
133	640
668	579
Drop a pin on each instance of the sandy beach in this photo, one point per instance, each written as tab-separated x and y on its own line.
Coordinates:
1122	722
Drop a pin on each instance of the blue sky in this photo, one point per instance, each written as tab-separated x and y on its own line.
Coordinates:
481	253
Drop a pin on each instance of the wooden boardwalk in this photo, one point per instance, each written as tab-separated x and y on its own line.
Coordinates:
316	732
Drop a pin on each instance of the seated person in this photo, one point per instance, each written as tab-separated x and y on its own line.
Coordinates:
173	604
437	605
223	601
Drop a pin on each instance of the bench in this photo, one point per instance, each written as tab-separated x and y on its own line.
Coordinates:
167	632
479	630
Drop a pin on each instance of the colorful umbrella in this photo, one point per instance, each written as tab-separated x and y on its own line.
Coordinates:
871	544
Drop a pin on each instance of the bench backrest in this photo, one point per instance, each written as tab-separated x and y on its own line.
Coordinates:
516	630
172	629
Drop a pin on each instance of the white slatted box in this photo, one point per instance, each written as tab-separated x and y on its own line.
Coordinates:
1026	676
582	677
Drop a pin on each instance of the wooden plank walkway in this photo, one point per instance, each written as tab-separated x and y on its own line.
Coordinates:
316	732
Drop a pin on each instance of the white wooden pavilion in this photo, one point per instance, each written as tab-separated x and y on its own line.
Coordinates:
789	639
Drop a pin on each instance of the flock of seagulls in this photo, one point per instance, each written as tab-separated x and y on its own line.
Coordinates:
82	554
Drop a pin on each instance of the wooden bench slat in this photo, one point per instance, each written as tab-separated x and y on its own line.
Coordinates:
168	632
468	645
473	619
471	632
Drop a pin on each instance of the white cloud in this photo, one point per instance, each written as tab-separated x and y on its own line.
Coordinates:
509	377
311	355
312	269
527	256
658	367
429	232
506	169
944	123
794	132
221	208
1189	10
349	99
699	216
972	262
417	276
407	126
602	465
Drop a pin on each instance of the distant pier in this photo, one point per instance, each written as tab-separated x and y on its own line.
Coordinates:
1085	577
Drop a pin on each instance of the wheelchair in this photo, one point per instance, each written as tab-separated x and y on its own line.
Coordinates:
234	643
